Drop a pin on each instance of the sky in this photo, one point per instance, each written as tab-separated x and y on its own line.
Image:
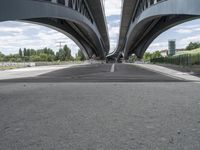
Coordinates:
183	34
15	35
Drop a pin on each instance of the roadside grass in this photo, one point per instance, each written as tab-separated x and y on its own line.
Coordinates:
192	52
8	67
182	58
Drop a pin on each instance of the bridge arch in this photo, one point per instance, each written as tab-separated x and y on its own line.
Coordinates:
153	19
72	18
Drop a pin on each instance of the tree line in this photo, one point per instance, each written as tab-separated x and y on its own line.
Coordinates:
45	55
193	45
157	54
147	56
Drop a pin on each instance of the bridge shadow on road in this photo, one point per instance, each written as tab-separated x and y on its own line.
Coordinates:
99	73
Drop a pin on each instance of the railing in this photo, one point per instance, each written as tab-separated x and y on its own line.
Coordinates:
144	4
78	5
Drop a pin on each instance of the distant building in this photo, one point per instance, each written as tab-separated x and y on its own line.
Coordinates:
164	53
171	47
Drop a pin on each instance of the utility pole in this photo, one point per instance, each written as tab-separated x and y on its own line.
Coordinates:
60	44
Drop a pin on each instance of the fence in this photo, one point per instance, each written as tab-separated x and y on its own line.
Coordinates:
183	60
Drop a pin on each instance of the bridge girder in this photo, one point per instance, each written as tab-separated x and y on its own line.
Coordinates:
73	18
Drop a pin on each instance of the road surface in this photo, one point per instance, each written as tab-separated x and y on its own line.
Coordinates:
97	73
96	107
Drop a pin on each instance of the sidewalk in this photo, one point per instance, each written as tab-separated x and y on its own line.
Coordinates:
32	71
169	72
192	70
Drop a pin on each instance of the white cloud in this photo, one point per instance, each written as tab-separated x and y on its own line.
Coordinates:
184	31
31	36
158	46
187	26
10	29
187	29
114	35
186	41
113	7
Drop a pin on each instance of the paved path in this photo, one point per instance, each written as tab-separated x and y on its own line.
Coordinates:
170	72
79	109
32	71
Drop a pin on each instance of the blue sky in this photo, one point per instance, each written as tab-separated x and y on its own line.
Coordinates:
15	35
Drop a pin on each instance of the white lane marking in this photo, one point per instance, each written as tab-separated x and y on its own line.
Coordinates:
112	68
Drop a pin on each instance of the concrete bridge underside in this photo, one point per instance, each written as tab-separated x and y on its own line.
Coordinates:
81	20
144	20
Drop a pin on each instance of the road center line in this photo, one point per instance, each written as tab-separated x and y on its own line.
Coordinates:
112	68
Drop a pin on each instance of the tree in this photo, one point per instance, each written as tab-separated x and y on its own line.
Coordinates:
45	54
64	54
28	53
132	58
80	56
20	53
148	56
32	52
35	58
156	54
193	45
1	56
25	54
1	59
67	52
43	57
50	57
61	55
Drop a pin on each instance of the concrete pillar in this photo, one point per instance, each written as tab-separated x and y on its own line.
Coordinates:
67	2
54	1
149	4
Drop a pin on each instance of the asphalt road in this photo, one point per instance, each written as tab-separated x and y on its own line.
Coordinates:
92	108
99	73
